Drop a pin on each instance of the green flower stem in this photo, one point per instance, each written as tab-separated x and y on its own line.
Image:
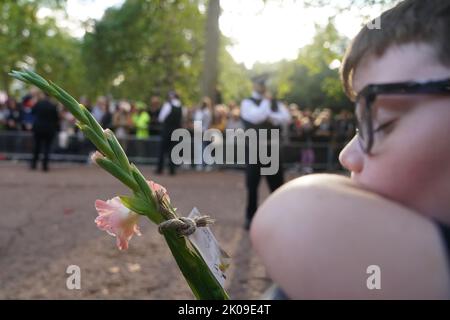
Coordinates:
199	277
118	150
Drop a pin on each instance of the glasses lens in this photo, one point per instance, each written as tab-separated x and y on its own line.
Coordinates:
362	119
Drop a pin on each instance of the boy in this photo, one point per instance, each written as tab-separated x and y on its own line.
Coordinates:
385	232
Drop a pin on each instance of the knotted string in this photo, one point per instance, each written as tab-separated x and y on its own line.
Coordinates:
185	226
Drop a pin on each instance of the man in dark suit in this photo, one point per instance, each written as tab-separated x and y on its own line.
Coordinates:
45	126
261	111
170	117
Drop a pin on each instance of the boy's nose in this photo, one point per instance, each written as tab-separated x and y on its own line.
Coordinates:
351	157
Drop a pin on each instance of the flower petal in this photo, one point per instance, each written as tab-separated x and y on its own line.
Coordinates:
122	243
117	220
103	207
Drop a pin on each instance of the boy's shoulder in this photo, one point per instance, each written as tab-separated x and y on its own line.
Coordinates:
330	232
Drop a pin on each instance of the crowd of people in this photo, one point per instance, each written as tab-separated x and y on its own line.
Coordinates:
139	120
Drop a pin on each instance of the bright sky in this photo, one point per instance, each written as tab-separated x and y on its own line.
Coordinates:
264	33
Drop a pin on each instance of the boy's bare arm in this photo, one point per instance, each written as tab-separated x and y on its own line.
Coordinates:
329	232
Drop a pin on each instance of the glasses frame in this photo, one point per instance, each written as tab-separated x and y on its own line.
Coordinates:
371	91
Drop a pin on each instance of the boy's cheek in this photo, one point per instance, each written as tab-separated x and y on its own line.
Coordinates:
393	172
389	183
408	173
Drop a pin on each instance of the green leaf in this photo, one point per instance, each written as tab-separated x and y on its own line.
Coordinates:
28	77
143	185
70	103
91	121
38	77
18	76
142	206
117	149
99	142
117	172
52	89
36	81
64	94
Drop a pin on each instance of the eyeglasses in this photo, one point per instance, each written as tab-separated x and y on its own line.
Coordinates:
367	96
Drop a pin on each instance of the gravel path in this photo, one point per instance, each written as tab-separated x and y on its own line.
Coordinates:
46	224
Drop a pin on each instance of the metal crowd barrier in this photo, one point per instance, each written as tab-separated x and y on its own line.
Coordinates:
75	148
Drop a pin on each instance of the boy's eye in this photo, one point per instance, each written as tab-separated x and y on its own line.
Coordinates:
386	127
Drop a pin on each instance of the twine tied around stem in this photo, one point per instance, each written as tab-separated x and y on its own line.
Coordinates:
185	226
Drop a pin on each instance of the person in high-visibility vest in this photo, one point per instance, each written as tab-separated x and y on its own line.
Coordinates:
141	121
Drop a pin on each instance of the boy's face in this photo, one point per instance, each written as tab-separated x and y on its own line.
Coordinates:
410	160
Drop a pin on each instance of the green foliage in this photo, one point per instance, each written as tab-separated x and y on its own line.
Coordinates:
58	57
145	47
315	83
17	34
233	78
310	81
135	50
27	41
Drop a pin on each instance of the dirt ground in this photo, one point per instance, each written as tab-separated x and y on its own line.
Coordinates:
47	224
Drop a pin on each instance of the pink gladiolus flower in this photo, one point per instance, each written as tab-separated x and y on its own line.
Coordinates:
117	220
158	188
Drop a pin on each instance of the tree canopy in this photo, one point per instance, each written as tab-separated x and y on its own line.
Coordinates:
312	79
147	47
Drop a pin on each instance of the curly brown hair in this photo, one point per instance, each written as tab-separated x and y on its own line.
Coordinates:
420	21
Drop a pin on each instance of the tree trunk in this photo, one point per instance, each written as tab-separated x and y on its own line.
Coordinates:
210	66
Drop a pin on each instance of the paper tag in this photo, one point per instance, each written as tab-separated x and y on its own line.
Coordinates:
215	257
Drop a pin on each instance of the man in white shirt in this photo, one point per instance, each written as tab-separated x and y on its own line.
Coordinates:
261	111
